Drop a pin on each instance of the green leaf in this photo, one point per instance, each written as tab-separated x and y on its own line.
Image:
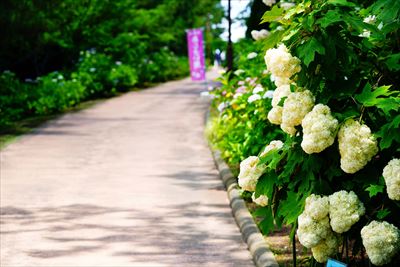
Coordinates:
307	50
382	214
374	189
332	16
291	207
267	224
274	14
265	185
389	133
341	3
379	98
393	62
273	39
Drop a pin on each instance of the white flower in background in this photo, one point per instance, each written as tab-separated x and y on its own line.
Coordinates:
210	88
252	55
259	35
269	2
371	19
268	94
222	106
273	145
319	129
258	89
311	232
275	115
205	94
240	83
249	173
118	63
28	80
357	146
281	63
241	89
317	207
381	241
54	80
279	93
391	173
253	98
262	200
380	26
92	69
60	77
345	210
326	248
236	95
238	72
280	28
366	33
296	106
286	5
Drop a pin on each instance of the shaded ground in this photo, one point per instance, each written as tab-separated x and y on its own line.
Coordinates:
128	182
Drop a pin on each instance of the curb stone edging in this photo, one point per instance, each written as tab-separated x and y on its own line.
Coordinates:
259	249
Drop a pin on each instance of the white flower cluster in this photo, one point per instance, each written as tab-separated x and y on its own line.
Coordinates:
314	221
326	248
274	144
252	55
319	129
262	200
269	2
357	146
259	35
250	172
280	63
253	98
275	114
296	106
345	210
391	173
381	241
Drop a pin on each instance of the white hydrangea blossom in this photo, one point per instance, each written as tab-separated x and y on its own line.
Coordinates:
253	98
259	35
250	172
274	144
357	146
296	106
269	2
381	241
279	93
311	232
275	115
268	94
345	210
319	129
262	200
281	63
326	248
391	173
258	89
252	55
317	207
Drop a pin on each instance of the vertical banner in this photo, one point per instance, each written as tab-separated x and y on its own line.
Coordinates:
196	54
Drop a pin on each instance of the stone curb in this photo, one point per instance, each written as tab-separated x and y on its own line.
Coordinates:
259	249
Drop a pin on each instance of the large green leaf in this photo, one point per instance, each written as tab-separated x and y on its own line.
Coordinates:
275	14
380	98
374	189
331	17
307	51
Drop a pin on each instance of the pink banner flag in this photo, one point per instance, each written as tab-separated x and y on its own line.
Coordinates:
196	54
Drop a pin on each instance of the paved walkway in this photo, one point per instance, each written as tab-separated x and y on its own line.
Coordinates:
128	182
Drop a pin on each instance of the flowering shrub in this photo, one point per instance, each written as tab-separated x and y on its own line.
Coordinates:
334	68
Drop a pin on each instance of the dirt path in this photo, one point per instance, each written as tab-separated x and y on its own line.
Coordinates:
128	182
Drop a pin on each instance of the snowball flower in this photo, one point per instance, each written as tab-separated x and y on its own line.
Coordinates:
319	129
357	146
381	241
274	144
391	173
279	93
253	98
326	248
345	210
269	2
258	89
296	106
275	115
252	55
250	172
268	94
281	63
262	200
311	232
317	207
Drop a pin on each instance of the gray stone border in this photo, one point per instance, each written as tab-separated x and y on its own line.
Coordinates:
259	249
